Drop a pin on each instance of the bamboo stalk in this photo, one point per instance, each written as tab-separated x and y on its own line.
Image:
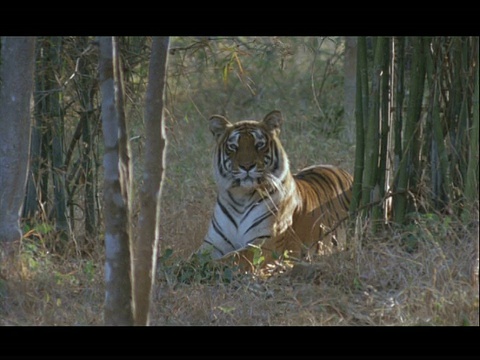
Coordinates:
384	125
471	181
372	136
359	123
406	170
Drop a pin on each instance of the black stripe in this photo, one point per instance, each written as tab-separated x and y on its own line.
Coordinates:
216	248
258	202
221	164
345	185
327	180
232	200
227	214
261	236
216	227
275	156
249	211
322	186
327	200
343	180
252	194
345	200
259	221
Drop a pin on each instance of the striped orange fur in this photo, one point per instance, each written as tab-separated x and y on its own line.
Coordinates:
261	204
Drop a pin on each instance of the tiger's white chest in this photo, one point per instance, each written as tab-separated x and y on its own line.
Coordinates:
239	221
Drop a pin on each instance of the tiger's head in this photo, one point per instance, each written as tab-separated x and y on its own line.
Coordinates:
248	154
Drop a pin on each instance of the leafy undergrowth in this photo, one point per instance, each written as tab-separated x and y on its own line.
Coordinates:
414	277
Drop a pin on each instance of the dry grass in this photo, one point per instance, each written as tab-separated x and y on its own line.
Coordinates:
378	283
422	275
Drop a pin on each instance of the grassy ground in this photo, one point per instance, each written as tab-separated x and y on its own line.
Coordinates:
426	274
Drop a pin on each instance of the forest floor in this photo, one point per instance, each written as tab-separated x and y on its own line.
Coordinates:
381	283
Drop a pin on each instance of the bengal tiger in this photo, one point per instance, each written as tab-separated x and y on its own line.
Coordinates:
261	204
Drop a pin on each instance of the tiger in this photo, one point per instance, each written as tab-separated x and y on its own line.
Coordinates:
261	204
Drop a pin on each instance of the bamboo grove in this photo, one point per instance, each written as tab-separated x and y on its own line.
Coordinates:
66	151
416	128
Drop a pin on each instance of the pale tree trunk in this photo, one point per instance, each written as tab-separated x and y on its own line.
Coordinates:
350	76
149	220
16	86
33	180
119	302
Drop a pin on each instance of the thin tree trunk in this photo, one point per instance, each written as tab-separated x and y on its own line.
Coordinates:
471	182
464	120
119	302
370	181
16	73
31	197
407	172
86	91
42	124
441	182
399	95
89	207
359	124
350	73
30	205
150	192
384	125
56	114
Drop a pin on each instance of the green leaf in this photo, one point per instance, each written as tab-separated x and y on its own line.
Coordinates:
226	309
44	228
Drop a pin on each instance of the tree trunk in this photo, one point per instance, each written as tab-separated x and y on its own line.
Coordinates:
86	91
350	73
31	200
16	86
471	182
370	190
55	113
360	114
407	172
37	185
381	209
149	220
440	176
119	303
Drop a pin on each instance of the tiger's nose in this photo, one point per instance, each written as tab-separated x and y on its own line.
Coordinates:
247	167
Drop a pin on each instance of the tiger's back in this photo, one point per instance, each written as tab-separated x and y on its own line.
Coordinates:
325	193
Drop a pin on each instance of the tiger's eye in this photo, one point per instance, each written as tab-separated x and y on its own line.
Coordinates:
259	145
232	147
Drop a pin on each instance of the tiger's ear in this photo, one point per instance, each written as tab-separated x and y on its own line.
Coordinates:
218	125
273	121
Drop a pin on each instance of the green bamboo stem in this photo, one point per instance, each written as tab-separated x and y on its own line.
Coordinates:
359	122
471	181
372	137
406	171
